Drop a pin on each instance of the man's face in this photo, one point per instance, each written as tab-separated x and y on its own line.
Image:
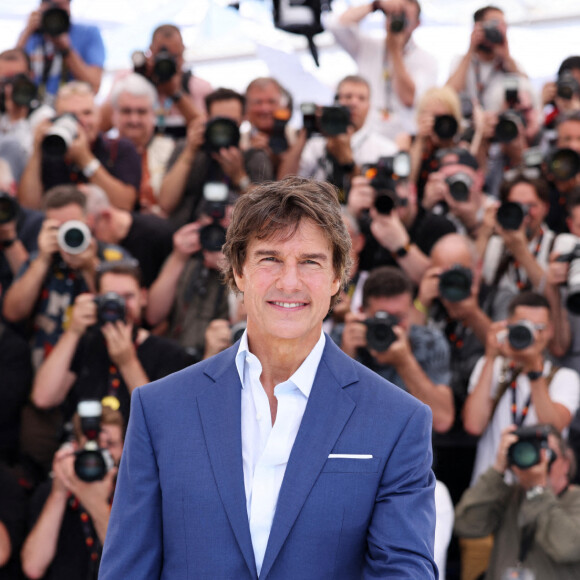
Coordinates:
11	68
525	194
111	438
173	43
230	108
261	104
135	119
127	287
287	286
356	97
569	135
398	306
83	107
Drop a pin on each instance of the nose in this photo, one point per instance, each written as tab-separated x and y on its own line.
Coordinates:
289	278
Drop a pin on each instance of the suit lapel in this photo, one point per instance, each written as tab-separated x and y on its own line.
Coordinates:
220	413
327	411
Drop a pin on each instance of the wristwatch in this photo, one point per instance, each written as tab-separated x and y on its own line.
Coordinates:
535	375
402	251
91	168
176	96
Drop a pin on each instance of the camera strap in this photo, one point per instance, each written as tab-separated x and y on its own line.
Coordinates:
481	85
526	541
92	542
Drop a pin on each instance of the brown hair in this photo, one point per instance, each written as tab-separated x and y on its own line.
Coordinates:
386	282
109	416
276	209
538	183
63	195
124	267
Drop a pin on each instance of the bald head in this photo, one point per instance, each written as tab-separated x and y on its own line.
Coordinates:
453	249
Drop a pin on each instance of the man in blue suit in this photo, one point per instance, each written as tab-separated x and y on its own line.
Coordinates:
280	458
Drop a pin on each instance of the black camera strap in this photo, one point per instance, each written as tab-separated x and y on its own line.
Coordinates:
526	541
92	542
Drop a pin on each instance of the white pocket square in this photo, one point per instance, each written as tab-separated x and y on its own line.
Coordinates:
348	456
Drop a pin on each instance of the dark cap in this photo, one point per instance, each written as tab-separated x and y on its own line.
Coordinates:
464	157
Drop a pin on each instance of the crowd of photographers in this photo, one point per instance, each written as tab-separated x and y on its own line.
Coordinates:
463	206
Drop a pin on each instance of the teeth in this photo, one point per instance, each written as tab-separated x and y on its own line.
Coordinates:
288	304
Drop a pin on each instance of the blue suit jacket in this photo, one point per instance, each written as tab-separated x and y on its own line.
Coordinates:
180	505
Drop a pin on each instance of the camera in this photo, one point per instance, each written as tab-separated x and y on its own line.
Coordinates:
398	22
526	451
383	177
567	86
164	66
8	208
91	462
238	330
563	164
74	237
55	21
334	120
110	308
221	132
213	236
507	128
445	126
492	33
24	92
455	283
521	334
459	186
278	142
60	135
510	215
380	334
568	246
309	121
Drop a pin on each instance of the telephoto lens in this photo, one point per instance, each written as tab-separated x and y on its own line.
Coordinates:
55	21
60	135
74	237
459	186
510	215
445	126
563	164
221	132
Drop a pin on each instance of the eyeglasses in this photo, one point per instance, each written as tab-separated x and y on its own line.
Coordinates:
137	110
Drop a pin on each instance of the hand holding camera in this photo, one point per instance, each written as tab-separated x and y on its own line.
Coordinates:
84	313
186	239
218	337
195	135
120	342
361	196
495	340
389	230
429	286
48	239
339	146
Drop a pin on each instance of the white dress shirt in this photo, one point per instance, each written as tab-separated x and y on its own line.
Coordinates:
266	447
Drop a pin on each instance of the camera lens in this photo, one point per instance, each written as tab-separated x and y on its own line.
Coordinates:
459	186
380	334
55	21
520	336
8	208
110	308
524	454
212	237
74	237
445	126
398	22
564	164
221	132
384	203
455	284
506	129
90	465
510	215
23	91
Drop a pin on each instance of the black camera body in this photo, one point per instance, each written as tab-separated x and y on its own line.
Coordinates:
526	451
164	66
460	184
334	120
213	236
507	128
567	86
511	214
54	21
91	462
380	334
455	283
492	33
110	308
24	92
8	208
383	177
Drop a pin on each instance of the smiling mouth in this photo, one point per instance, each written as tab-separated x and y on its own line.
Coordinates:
288	304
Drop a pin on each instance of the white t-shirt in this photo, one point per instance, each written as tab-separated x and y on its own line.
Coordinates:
564	389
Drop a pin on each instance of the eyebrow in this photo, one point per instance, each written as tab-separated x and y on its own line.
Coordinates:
309	256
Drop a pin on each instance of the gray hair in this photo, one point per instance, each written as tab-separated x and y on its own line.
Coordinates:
97	199
137	86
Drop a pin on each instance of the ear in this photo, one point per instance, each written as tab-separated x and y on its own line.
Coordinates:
240	281
335	287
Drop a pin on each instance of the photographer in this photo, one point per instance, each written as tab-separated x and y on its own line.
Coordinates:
562	182
488	59
516	256
61	50
414	358
70	515
104	351
63	267
535	519
205	157
336	158
398	70
70	149
514	382
179	93
189	293
455	190
562	95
